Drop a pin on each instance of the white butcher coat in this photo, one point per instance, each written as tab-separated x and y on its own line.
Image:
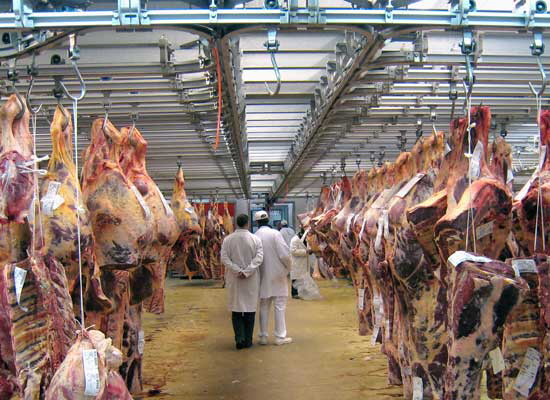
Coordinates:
288	234
298	251
242	252
276	264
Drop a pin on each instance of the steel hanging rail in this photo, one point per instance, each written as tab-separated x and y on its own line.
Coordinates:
25	18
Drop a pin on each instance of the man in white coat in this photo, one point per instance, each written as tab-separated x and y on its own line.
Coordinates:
273	279
287	232
242	255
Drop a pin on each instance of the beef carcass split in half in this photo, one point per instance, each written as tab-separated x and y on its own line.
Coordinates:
165	229
121	220
61	213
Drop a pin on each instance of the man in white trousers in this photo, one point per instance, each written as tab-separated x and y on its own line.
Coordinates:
274	272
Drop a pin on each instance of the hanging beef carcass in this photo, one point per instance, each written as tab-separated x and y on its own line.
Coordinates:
534	198
37	314
121	219
95	353
63	217
165	229
349	242
189	227
228	227
482	293
479	203
16	183
213	237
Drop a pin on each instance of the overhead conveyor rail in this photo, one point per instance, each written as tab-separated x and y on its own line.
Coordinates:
355	86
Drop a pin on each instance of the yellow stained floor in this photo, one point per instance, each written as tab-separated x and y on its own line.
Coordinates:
190	354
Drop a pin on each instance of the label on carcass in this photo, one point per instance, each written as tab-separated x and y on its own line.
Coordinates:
52	200
528	372
484	230
418	388
167	207
460	256
542	157
497	361
386	216
475	161
375	333
141	341
361	299
379	232
91	372
447	149
409	185
387	329
142	202
19	275
525	265
509	175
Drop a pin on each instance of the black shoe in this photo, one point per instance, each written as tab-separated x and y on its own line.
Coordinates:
248	345
240	346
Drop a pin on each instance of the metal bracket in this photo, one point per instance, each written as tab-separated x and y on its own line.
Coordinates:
537	47
272	46
166	61
461	11
468	46
213	12
388	15
22	13
129	13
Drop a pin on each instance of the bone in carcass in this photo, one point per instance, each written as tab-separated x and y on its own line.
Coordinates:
69	382
183	251
38	312
16	183
523	329
482	293
482	209
165	229
535	197
63	217
121	220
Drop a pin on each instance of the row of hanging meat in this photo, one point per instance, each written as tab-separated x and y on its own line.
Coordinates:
450	267
198	253
113	228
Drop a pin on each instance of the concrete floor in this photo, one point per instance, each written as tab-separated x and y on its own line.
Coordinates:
189	351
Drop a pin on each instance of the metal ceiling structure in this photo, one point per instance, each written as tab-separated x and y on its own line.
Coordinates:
359	80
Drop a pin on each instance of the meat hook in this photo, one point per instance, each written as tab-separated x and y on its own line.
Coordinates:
272	46
33	72
74	56
13	77
540	92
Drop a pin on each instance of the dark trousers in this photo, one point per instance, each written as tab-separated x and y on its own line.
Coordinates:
243	325
293	289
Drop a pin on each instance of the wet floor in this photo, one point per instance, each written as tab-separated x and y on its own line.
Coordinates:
190	354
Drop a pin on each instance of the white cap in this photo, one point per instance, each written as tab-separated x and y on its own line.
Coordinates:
259	215
284	222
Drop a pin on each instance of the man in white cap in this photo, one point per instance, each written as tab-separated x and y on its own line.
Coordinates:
273	279
287	232
242	255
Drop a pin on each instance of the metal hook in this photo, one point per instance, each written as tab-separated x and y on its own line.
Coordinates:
540	92
178	162
272	46
33	72
13	77
74	56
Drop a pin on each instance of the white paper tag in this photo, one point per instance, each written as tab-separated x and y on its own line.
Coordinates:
19	275
418	388
141	202
460	256
542	157
447	149
386	216
409	185
375	333
190	210
91	372
361	299
387	328
509	175
528	372
141	341
525	265
484	230
475	161
52	200
497	361
167	207
379	233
